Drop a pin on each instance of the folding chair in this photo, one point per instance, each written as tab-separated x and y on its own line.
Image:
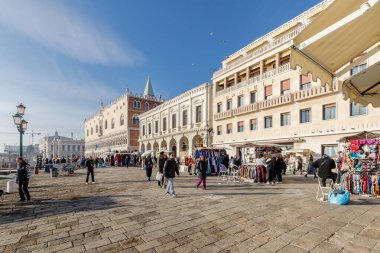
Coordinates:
323	191
234	174
223	173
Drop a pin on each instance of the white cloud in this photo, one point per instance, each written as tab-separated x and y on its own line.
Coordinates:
63	29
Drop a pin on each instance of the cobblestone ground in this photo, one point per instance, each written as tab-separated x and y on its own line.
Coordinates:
123	212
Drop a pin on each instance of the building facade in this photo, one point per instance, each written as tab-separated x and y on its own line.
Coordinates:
259	98
180	124
115	127
59	146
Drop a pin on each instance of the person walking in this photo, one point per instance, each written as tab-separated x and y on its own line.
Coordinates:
202	172
271	162
148	167
170	169
23	175
128	160
161	162
310	168
279	167
90	169
190	163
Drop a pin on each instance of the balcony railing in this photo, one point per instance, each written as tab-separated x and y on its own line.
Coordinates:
285	99
312	92
245	109
284	68
269	73
222	115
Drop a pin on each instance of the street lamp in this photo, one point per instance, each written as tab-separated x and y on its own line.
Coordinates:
21	124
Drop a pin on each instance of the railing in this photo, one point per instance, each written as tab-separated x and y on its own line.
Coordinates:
222	115
285	99
284	68
245	109
269	73
312	92
239	85
262	49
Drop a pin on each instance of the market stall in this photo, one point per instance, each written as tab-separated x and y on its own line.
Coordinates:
360	163
293	155
214	157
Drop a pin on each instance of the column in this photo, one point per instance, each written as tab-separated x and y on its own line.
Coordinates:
225	83
247	75
190	117
236	78
261	69
277	61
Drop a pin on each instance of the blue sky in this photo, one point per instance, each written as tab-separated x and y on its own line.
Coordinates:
61	57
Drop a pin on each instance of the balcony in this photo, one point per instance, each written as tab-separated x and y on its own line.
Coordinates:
223	115
239	85
244	109
284	68
269	73
278	101
312	93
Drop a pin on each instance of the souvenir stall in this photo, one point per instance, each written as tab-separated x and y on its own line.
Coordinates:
360	164
214	157
291	157
250	151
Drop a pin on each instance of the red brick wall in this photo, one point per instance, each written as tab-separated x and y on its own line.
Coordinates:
134	136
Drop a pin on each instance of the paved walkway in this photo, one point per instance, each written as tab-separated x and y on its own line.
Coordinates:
124	213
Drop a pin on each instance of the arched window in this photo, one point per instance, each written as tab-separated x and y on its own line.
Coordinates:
87	132
136	104
122	120
96	129
146	106
135	120
105	125
112	123
92	131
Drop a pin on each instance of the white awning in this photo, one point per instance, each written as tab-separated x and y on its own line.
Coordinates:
364	87
343	31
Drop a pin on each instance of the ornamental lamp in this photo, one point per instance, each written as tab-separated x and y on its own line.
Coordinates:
21	109
17	118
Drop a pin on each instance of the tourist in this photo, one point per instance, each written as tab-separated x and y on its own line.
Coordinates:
279	167
310	168
325	165
260	169
202	172
190	163
298	166
161	162
90	169
23	175
148	167
271	162
128	160
170	169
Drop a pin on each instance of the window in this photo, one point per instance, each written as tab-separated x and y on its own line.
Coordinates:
101	129
184	118
305	82
305	115
219	130
174	120
240	126
105	125
268	122
329	111
122	120
253	97
146	106
143	129
330	150
240	101
253	124
285	87
68	147
198	114
229	128
156	126
357	109
135	120
112	123
268	92
358	68
150	128
96	129
219	107
229	104
92	132
164	124
63	147
87	132
136	104
285	119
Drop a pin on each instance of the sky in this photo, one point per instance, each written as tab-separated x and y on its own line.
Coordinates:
60	58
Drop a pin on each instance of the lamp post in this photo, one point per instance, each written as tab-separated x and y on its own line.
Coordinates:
20	122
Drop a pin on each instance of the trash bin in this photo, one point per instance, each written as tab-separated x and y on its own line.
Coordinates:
11	186
53	172
36	170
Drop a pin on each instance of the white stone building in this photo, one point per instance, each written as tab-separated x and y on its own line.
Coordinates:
180	124
59	146
258	98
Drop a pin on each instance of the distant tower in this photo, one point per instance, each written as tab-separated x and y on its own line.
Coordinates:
148	92
101	103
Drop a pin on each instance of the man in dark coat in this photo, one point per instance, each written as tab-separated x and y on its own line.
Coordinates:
170	169
23	175
325	165
161	162
90	169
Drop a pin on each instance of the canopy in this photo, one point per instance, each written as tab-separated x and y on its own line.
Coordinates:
146	153
360	136
343	31
364	87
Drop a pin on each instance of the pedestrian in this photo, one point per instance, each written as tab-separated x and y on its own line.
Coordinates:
161	162
90	169
128	160
23	176
271	162
202	172
279	167
310	168
148	167
325	165
170	169
260	169
190	163
299	165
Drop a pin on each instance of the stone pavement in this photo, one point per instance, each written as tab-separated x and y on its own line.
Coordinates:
123	212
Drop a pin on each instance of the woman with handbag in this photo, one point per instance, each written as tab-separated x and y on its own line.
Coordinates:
160	172
202	172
